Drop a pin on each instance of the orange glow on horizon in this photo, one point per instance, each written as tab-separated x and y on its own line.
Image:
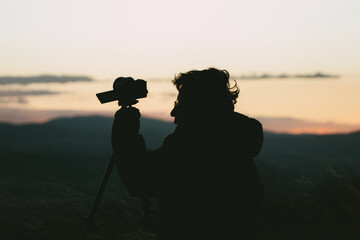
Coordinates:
317	131
40	117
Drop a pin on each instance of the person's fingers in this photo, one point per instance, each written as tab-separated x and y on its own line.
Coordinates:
128	113
134	112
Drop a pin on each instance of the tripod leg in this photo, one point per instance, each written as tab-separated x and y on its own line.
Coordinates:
146	207
98	196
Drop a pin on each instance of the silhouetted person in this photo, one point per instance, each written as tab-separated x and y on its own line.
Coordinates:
204	175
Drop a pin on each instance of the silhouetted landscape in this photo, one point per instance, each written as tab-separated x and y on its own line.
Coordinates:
49	174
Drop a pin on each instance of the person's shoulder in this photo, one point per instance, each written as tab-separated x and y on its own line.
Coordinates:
251	129
243	119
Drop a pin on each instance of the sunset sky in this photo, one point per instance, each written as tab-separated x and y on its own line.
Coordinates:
153	40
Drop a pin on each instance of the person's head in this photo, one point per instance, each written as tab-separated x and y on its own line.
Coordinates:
203	94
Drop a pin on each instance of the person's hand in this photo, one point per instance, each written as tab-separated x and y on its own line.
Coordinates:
125	129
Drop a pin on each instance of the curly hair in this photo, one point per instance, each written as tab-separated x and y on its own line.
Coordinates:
211	84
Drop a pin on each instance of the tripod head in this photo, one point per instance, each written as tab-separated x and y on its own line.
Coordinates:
126	91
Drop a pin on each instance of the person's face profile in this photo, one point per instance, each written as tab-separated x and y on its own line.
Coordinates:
178	110
174	112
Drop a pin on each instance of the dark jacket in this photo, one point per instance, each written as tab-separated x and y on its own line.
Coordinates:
204	177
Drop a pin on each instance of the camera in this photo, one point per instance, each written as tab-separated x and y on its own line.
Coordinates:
125	90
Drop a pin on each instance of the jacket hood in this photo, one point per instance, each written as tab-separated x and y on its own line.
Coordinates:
247	131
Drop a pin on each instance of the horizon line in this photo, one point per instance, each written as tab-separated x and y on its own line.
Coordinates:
295	131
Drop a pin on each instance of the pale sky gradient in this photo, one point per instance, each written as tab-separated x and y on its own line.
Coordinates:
157	39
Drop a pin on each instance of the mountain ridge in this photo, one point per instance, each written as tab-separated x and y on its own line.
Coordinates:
61	120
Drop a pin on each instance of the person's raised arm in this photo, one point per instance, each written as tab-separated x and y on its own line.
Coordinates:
144	173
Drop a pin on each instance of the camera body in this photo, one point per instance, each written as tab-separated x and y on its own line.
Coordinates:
125	91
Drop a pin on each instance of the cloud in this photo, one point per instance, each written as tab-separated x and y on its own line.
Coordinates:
169	94
19	93
317	75
6	80
20	96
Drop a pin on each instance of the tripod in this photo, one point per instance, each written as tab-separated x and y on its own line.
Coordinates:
98	196
145	202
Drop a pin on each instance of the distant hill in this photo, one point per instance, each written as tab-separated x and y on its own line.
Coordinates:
91	135
81	135
88	140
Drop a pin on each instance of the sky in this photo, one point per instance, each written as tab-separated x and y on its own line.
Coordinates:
154	40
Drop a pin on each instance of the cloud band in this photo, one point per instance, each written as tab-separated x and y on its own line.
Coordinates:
43	79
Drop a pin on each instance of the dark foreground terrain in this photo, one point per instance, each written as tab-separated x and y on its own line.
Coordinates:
49	174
